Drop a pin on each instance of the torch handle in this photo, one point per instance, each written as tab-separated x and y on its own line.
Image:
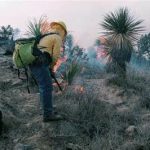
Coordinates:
53	76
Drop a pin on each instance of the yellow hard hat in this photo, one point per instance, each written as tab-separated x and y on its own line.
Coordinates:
61	23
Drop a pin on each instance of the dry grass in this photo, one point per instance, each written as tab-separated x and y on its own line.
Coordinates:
90	123
100	124
97	122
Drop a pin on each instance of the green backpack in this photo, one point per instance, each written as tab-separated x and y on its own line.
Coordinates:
23	54
26	52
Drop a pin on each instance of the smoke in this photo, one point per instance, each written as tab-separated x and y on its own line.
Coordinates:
91	53
94	60
139	63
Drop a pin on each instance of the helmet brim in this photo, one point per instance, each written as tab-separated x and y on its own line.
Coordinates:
57	23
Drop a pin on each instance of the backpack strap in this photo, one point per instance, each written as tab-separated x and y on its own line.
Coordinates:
38	38
36	51
26	72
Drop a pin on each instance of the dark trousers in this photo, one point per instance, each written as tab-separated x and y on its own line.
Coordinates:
43	77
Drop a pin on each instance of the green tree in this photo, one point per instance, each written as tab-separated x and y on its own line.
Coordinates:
6	32
121	30
69	42
144	45
6	39
73	52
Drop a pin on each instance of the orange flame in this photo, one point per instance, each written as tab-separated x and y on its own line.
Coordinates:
79	89
102	53
59	62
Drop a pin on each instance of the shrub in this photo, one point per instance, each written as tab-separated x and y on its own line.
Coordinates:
144	100
72	70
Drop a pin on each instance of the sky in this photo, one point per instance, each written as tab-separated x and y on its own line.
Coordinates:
82	17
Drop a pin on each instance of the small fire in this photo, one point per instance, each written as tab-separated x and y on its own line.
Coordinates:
79	89
59	62
102	52
103	55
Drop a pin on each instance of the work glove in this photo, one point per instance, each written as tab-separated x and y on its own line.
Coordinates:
47	58
44	58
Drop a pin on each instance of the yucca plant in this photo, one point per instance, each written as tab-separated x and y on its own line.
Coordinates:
121	30
38	27
72	70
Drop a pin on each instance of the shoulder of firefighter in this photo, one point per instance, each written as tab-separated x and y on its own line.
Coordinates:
52	44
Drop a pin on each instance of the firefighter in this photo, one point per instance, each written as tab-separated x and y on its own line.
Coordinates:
41	71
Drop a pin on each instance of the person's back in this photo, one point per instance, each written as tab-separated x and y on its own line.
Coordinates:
52	43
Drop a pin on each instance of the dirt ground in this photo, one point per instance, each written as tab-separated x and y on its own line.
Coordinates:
24	129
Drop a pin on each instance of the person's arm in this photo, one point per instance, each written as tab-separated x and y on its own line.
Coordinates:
56	50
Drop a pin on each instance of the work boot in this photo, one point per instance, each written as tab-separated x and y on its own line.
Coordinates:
52	117
54	107
54	110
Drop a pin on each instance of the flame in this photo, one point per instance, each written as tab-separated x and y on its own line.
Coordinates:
59	62
102	53
79	89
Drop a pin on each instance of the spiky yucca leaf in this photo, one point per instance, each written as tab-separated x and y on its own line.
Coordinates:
121	23
38	27
73	69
